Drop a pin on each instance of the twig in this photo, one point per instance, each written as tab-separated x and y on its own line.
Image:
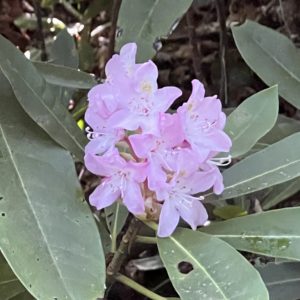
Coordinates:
194	44
146	239
118	259
220	6
71	9
113	28
139	288
41	36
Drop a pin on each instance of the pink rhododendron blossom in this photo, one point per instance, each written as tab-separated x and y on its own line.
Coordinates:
167	158
122	179
203	122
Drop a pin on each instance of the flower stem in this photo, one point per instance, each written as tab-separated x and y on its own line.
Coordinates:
150	224
137	287
145	239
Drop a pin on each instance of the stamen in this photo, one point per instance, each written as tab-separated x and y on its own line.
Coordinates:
221	161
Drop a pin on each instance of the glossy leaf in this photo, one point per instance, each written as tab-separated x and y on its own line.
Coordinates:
47	232
272	233
275	164
272	56
282	280
65	76
215	270
146	22
36	98
251	120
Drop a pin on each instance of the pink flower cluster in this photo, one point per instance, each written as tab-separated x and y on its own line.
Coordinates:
146	156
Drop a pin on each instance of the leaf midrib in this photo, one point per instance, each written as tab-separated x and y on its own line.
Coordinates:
31	207
41	102
189	254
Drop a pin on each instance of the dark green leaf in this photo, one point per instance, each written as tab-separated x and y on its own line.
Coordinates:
47	232
36	98
214	270
146	22
273	233
272	56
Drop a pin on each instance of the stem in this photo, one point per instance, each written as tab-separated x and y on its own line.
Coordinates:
71	9
193	42
146	239
220	5
139	288
41	36
150	224
118	259
80	112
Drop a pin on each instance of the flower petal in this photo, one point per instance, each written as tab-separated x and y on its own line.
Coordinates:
103	196
194	215
133	198
168	220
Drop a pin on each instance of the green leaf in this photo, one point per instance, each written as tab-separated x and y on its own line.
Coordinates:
282	280
252	120
10	286
116	216
146	22
284	127
273	233
35	96
275	164
229	212
280	192
272	56
217	271
65	76
63	50
47	232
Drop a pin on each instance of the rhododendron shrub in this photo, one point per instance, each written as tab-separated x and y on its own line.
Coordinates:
141	151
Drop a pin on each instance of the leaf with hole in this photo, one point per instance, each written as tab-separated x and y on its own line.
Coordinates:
275	164
273	233
47	232
35	96
201	266
272	56
251	120
146	22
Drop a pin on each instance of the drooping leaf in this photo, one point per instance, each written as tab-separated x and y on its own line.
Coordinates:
275	164
36	98
251	120
214	270
116	216
47	232
272	56
65	76
146	22
10	286
282	280
272	233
